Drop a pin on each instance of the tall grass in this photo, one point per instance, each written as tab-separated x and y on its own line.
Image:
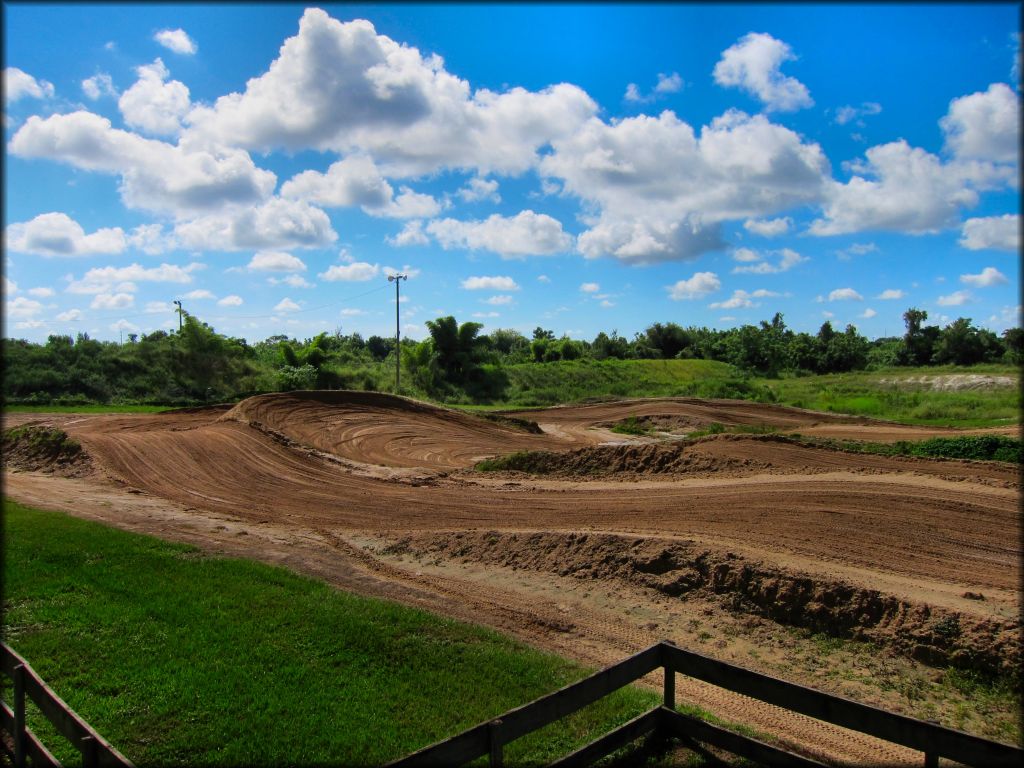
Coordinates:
180	658
532	384
888	394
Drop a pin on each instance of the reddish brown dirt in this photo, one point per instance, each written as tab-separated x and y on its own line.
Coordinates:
303	475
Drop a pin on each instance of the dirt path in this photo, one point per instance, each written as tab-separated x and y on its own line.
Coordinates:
307	480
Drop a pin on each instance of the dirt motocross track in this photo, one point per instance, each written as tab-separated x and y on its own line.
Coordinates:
377	494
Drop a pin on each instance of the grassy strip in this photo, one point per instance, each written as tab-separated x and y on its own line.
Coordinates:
975	447
182	658
714	428
631	426
86	408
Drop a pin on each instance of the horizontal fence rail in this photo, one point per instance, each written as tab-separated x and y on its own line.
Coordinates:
489	738
96	751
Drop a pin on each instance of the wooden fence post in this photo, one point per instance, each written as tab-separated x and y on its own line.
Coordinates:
497	756
670	680
88	747
20	737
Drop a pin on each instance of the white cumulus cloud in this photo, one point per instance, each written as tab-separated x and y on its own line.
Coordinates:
176	40
478	189
661	192
122	279
740	299
98	86
989	276
848	113
411	234
357	271
891	293
496	283
180	180
57	234
997	232
20	308
753	64
525	234
112	301
230	301
845	294
984	125
278	223
390	100
672	83
955	299
701	284
590	287
898	188
19	84
788	258
768	227
286	305
275	261
153	104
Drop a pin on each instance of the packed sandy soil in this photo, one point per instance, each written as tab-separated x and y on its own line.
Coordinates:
626	541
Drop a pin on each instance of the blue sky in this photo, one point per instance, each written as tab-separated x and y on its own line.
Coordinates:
576	167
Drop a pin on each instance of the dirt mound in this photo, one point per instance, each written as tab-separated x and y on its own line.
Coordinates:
739	455
385	430
628	461
41	448
677	568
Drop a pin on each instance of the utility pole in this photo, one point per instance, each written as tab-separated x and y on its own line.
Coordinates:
180	312
397	279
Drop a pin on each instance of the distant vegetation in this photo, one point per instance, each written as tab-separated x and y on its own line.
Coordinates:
979	448
976	447
180	658
458	364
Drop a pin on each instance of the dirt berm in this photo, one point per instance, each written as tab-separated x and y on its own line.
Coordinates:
40	448
676	568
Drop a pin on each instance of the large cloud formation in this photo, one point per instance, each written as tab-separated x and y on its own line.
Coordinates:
650	188
661	191
386	98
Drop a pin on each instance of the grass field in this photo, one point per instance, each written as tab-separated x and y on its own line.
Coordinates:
883	394
180	658
887	394
532	384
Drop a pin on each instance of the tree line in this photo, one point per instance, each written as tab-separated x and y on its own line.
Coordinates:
197	365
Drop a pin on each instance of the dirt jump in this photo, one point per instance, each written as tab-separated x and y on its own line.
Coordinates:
616	542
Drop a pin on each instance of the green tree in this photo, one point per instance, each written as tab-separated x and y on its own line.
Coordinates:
456	347
919	341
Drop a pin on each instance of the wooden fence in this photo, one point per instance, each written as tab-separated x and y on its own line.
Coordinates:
21	746
489	738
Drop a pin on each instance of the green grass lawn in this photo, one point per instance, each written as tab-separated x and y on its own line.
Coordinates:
181	658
